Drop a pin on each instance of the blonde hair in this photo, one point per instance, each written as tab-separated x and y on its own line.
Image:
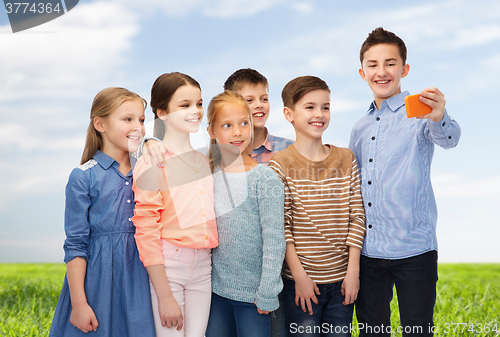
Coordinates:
105	102
215	105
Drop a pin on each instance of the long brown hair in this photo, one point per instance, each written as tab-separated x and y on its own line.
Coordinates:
162	91
215	105
105	102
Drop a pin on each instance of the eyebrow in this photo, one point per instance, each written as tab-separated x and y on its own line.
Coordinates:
386	60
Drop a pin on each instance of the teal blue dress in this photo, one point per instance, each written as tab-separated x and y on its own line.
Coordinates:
99	208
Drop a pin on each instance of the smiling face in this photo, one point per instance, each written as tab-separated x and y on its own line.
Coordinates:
123	129
382	69
185	110
257	98
232	126
311	114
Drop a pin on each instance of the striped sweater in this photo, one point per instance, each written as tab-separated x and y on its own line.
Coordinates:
324	212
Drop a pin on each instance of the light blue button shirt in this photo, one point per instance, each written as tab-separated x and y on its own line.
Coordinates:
394	155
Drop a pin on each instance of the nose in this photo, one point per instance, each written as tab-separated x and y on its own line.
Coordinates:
318	112
137	125
259	104
236	131
381	71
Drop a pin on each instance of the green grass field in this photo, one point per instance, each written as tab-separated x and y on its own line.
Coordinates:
468	298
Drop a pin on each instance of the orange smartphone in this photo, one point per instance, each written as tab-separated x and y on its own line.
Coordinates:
416	108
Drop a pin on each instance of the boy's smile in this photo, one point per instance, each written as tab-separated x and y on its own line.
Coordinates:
383	69
311	114
257	99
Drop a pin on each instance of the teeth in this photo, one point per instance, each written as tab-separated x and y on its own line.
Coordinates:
193	120
317	124
382	82
258	115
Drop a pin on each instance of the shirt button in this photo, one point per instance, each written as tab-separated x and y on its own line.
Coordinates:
373	138
370	160
128	201
369	183
129	219
444	123
378	118
206	237
201	192
126	183
369	204
203	214
449	137
369	226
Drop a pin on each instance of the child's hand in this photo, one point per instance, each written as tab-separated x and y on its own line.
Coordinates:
350	288
157	150
305	291
262	312
170	313
435	99
83	318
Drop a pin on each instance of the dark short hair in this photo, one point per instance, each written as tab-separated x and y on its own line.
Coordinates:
244	76
380	35
298	87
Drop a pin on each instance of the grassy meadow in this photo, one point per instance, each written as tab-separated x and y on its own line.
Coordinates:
468	302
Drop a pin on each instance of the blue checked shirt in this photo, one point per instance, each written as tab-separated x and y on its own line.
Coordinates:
394	155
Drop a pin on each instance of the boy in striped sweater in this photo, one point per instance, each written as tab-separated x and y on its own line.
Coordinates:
324	217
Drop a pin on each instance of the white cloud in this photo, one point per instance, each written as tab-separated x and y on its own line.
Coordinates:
86	44
303	7
209	8
237	8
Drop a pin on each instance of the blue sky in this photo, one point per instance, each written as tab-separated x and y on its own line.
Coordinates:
50	74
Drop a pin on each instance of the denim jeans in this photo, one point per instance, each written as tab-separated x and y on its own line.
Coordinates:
415	279
330	317
230	318
278	324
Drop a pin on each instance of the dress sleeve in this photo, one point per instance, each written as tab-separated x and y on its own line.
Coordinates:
76	216
148	208
271	199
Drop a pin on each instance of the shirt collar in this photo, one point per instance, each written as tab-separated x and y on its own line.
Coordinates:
394	103
267	142
103	159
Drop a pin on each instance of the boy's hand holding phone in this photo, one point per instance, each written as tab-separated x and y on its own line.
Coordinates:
430	104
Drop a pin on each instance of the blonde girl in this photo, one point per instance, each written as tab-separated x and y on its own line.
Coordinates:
174	213
249	203
106	288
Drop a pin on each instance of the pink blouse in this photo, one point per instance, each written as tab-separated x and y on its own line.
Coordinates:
176	204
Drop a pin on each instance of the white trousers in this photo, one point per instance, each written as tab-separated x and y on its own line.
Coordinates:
188	272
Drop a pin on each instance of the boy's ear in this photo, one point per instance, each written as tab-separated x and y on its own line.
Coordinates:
287	112
362	73
210	132
406	70
99	124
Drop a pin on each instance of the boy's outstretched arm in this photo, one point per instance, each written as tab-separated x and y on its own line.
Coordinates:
435	99
305	288
350	285
440	129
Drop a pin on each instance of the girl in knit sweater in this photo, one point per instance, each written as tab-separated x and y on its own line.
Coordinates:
249	203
